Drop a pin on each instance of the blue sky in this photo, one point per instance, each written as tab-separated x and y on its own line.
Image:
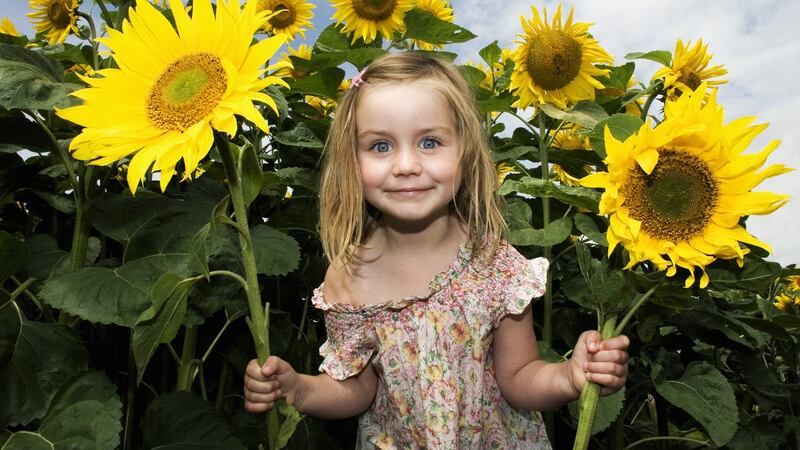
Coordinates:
758	42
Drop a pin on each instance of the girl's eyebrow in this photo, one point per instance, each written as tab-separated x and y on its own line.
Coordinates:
384	132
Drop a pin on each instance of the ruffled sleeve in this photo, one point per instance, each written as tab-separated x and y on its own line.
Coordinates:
517	281
351	338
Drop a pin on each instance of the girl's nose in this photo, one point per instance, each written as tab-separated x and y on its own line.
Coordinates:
406	162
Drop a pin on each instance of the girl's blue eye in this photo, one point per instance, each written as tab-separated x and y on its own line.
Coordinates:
380	147
429	143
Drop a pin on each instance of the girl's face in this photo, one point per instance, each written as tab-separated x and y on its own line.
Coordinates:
408	150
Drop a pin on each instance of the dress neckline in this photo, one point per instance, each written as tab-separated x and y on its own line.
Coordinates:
439	281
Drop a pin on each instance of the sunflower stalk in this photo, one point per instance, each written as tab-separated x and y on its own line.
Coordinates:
257	321
587	403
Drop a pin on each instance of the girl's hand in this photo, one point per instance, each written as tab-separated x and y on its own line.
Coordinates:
264	385
602	362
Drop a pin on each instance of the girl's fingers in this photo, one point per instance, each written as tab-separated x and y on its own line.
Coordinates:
257	407
260	387
612	382
253	397
605	368
616	356
620	342
253	370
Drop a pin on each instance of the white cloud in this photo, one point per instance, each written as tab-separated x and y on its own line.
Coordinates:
758	42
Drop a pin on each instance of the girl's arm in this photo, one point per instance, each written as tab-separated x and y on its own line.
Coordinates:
315	395
528	382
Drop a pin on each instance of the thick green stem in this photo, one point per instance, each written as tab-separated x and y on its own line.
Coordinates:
128	432
587	404
259	328
187	365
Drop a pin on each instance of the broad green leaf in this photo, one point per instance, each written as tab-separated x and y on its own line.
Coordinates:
760	433
610	293
324	83
491	53
608	409
10	330
198	256
572	158
26	440
104	295
45	257
618	78
331	39
159	324
29	80
660	56
250	172
554	233
518	214
59	202
588	227
276	253
621	126
514	153
89	385
359	57
585	113
426	27
291	418
13	255
299	136
85	424
757	275
182	420
572	195
45	356
706	395
18	132
498	103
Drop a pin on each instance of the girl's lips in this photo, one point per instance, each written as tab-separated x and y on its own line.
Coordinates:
409	192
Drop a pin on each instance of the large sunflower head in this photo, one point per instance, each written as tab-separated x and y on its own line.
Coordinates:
440	9
569	139
555	62
7	27
288	69
55	18
689	69
366	18
174	87
290	16
676	193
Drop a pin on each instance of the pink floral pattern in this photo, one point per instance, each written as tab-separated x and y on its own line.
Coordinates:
433	357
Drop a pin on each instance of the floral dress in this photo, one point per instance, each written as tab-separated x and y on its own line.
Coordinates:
433	356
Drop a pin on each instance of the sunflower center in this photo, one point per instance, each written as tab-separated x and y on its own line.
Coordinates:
188	90
285	17
554	59
691	80
374	10
58	13
676	201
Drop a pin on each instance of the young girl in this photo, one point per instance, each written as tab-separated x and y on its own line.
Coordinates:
430	335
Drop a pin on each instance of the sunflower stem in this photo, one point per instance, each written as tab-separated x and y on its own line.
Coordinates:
259	328
587	404
186	367
527	125
104	13
547	250
92	37
633	310
647	103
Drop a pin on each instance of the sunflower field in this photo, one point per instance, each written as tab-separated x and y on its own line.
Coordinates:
159	221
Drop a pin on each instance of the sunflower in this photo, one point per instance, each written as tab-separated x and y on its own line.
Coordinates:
294	16
174	88
55	18
785	302
7	27
793	283
288	69
676	193
555	63
689	69
504	170
569	139
440	9
365	18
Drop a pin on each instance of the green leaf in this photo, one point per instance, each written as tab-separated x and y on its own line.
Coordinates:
18	132
518	214
618	78
621	126
159	324
276	253
585	113
514	153
299	136
59	202
85	413
198	256
291	418
251	174
660	56
608	409
359	57
324	83
588	227
610	293
26	440
491	53
760	433
29	80
104	295
46	258
499	103
9	332
706	395
757	275
182	420
45	356
554	233
424	26
572	195
13	255
331	39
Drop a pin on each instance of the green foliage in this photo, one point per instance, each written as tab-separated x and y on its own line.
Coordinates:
426	27
30	80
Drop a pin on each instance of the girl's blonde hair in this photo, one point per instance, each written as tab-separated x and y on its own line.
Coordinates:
346	220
